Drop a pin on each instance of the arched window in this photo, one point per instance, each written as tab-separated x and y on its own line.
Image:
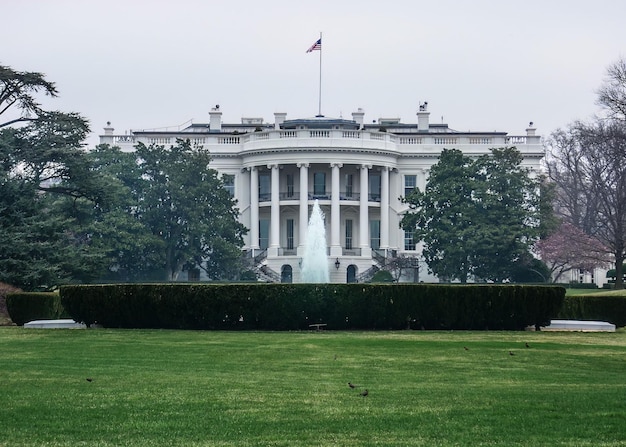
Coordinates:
286	274
351	273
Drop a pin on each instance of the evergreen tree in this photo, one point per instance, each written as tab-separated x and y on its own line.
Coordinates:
185	204
508	209
444	217
40	160
477	218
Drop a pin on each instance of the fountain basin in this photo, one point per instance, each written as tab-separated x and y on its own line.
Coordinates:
579	325
55	324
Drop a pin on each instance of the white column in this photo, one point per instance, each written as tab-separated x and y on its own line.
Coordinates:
274	244
364	245
422	179
254	208
384	208
304	206
335	244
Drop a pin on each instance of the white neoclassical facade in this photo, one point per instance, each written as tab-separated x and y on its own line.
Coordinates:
358	172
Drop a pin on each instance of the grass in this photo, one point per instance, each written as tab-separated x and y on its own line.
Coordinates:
573	291
188	388
603	292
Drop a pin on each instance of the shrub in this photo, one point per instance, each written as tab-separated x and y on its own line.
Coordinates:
248	275
28	306
5	289
296	306
611	308
382	276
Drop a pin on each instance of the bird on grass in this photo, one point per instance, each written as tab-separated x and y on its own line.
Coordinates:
511	353
89	379
364	393
527	345
466	348
351	385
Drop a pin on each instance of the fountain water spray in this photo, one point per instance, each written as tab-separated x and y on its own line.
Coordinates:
315	260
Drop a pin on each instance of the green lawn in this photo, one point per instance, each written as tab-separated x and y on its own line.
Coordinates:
188	388
572	291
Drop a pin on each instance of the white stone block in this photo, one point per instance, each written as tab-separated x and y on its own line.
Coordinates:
579	325
54	324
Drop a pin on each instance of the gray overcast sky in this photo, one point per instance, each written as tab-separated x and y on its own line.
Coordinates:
482	65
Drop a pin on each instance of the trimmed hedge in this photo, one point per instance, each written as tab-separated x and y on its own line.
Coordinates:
296	306
611	308
28	306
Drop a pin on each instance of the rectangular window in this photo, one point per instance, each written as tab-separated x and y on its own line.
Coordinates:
265	187
290	227
410	183
349	186
409	242
264	233
374	188
375	234
229	183
348	234
319	185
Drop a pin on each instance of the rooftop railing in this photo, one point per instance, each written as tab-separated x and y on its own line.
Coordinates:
336	134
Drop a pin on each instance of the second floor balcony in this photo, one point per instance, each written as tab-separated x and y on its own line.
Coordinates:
347	196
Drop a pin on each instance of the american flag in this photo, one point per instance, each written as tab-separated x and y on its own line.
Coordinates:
316	46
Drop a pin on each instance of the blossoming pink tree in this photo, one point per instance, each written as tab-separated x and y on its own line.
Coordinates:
570	248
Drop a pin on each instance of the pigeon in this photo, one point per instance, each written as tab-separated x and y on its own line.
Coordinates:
351	385
511	353
466	348
365	393
89	379
527	345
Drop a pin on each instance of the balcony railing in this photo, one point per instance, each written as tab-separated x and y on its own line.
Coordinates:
514	140
295	195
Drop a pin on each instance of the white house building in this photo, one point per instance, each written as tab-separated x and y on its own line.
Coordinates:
358	172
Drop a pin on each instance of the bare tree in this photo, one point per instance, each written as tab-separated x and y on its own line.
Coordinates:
587	162
565	163
401	265
612	94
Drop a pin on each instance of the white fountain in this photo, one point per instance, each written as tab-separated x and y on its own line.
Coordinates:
315	261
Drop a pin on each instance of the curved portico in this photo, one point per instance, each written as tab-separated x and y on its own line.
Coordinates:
353	196
332	161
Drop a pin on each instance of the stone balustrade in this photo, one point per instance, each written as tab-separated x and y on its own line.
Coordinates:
329	138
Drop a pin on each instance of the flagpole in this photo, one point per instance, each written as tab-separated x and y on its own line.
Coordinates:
319	112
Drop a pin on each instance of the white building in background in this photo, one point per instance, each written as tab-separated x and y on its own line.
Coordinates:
358	172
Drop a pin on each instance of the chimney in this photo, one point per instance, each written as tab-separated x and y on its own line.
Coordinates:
531	134
108	130
422	118
358	117
279	118
215	123
107	138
